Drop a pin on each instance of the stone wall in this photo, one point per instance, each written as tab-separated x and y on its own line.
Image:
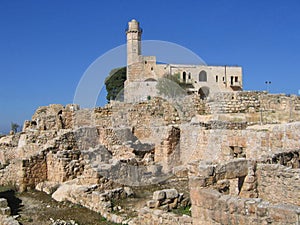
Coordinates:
140	91
256	108
34	171
64	165
8	146
211	207
256	142
244	192
167	153
52	117
261	107
277	183
234	102
11	174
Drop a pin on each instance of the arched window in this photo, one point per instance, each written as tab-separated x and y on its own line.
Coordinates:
202	76
184	76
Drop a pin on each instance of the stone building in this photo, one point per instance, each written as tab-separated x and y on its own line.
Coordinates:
143	73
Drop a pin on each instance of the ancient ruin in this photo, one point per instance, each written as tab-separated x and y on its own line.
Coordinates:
232	158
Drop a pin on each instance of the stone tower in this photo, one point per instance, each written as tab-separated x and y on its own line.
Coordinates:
133	33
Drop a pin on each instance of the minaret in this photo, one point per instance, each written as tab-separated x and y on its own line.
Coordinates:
134	33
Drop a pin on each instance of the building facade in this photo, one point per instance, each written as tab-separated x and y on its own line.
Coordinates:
143	73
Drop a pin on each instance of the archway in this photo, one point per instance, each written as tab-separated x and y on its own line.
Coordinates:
203	92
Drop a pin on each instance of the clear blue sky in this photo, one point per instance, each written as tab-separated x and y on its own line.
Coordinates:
46	46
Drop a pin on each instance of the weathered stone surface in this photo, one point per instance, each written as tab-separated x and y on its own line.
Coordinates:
171	193
273	178
159	195
48	187
64	192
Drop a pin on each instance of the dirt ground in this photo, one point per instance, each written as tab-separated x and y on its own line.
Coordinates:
37	208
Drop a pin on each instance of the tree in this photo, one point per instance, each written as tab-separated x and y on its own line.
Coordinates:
14	127
115	84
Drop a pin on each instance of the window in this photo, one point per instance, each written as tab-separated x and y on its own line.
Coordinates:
223	79
189	76
236	79
202	76
184	76
217	79
231	80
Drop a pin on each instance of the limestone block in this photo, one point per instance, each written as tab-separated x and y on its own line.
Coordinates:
262	209
171	193
206	170
284	213
47	187
232	169
159	195
64	191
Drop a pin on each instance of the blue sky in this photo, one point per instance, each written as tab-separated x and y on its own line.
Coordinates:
46	46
